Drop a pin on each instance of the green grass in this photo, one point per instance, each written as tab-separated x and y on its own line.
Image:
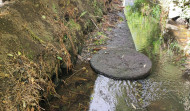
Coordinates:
143	21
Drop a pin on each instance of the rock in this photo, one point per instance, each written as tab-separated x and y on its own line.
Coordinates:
174	11
1	3
179	8
172	27
182	21
121	63
186	74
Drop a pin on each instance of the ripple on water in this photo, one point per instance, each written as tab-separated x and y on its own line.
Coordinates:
152	93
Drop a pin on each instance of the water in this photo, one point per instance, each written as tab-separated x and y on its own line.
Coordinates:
163	90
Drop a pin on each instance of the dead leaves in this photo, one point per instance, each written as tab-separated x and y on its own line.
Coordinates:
98	48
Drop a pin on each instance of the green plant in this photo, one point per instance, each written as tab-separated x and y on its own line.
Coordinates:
54	8
72	25
156	11
143	22
60	58
83	13
100	41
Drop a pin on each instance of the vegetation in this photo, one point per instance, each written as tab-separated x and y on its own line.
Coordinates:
40	43
147	23
143	20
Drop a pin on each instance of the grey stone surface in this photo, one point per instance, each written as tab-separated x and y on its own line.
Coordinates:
121	60
121	63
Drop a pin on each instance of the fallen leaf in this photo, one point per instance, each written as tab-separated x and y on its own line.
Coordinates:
84	68
4	102
19	53
60	58
98	48
10	55
133	106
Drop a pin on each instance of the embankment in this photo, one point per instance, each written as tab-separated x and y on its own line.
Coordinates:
40	41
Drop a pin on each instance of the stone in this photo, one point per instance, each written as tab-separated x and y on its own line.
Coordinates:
121	63
179	9
174	11
1	3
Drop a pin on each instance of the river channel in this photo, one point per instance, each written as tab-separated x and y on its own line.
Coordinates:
163	90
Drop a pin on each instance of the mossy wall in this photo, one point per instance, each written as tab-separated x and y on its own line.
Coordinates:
39	39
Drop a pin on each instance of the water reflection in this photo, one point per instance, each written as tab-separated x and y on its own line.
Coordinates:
162	91
111	95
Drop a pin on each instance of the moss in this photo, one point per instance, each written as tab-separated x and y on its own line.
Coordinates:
34	36
7	26
54	8
73	25
98	8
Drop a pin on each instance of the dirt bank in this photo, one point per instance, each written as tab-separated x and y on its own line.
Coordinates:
40	41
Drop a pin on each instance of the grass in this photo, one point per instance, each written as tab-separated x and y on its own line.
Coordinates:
143	20
102	38
145	23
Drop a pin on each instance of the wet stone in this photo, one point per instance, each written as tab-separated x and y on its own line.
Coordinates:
121	63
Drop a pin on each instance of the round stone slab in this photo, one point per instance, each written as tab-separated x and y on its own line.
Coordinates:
121	63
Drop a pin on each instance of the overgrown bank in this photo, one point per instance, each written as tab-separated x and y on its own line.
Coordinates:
40	41
144	22
147	22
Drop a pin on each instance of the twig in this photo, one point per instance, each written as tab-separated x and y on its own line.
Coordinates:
76	73
78	93
95	24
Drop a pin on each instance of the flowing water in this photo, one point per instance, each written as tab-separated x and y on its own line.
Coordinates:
163	90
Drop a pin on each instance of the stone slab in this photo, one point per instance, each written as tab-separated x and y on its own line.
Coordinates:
121	63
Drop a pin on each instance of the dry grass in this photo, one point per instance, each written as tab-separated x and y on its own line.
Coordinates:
26	80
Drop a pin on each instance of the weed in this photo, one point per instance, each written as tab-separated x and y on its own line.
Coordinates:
100	41
121	19
54	8
72	25
109	29
156	11
83	13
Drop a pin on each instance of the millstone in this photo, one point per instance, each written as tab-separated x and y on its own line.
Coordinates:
121	63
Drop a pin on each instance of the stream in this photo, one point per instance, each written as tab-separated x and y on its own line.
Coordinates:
163	90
